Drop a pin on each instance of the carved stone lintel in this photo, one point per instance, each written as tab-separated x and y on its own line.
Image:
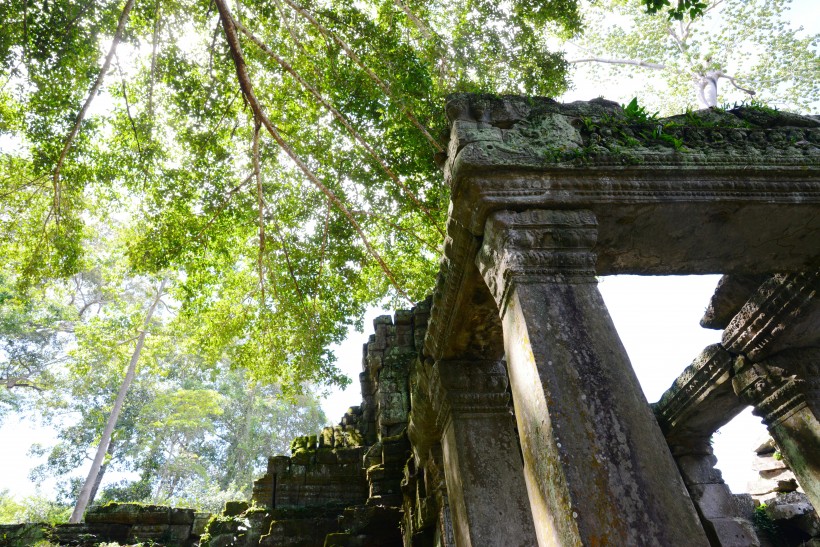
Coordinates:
536	245
463	315
701	399
773	392
730	295
781	314
805	364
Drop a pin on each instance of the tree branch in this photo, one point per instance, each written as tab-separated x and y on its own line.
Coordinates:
356	59
325	233
679	41
284	20
732	80
128	106
640	63
342	119
84	110
154	44
247	90
13	382
291	272
388	222
261	205
224	204
423	29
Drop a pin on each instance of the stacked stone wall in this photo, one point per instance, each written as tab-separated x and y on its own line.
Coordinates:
343	486
125	523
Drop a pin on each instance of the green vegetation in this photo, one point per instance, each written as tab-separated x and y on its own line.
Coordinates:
35	508
766	526
197	199
192	187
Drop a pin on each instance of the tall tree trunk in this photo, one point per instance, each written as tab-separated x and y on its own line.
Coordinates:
163	475
706	88
109	451
88	485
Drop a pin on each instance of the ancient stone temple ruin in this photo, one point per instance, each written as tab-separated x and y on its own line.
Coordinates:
504	411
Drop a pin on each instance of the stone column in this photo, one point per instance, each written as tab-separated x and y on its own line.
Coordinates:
597	468
780	399
483	468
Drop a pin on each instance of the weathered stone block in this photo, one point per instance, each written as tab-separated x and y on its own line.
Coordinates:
234	508
732	532
393	408
788	506
305	532
768	463
713	500
200	521
745	505
22	535
699	469
302	457
351	455
404	336
134	513
88	534
731	294
168	534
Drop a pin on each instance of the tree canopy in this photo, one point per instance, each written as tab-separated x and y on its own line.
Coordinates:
717	52
193	189
275	159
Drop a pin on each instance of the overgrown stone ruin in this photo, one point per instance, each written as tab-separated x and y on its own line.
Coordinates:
117	523
525	423
503	410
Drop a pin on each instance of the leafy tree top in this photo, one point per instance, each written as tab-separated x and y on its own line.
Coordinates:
273	159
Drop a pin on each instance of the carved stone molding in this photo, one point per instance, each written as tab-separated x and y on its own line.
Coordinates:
536	246
422	428
783	312
701	399
468	388
773	392
805	364
730	295
459	247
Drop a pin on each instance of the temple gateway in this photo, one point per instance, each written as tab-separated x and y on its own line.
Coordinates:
503	410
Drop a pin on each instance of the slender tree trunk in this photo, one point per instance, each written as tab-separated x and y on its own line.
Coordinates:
101	474
88	485
165	473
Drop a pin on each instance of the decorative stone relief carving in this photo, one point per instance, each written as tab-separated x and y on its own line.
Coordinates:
784	312
536	245
701	400
468	387
773	392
